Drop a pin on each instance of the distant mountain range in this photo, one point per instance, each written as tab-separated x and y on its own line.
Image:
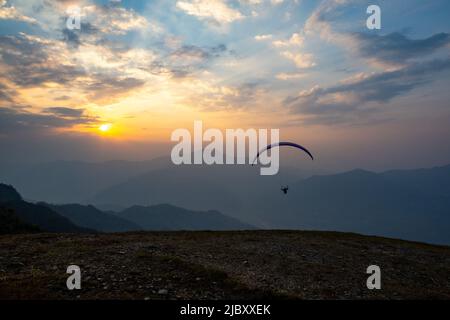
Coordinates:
407	204
35	215
19	216
92	218
404	205
167	217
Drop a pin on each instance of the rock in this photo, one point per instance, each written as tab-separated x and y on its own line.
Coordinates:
163	291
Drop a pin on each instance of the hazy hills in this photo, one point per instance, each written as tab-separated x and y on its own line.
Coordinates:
92	218
365	202
36	215
408	204
19	216
167	217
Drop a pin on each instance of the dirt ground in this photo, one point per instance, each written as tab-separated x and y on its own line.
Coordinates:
221	265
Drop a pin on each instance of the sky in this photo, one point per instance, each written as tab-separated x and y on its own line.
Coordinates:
358	98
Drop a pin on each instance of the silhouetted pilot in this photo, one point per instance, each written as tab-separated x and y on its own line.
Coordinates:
285	189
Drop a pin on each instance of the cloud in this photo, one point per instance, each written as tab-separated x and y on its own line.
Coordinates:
51	15
263	37
195	53
113	19
31	61
289	50
215	10
7	94
65	112
211	96
87	33
396	48
403	61
109	87
301	60
16	119
393	49
11	13
187	59
295	40
290	76
319	22
350	99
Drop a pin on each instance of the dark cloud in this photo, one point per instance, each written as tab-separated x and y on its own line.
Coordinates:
343	102
62	98
190	51
65	112
396	47
30	62
16	119
75	37
19	50
187	60
108	86
29	76
7	94
71	37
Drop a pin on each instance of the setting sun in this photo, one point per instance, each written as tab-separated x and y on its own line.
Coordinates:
105	127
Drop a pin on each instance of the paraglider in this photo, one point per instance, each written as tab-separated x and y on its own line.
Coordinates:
283	144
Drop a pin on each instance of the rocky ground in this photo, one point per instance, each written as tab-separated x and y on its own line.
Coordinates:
221	265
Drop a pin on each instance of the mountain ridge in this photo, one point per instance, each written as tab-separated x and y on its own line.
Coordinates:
157	218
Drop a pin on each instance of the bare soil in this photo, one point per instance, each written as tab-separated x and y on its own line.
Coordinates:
221	265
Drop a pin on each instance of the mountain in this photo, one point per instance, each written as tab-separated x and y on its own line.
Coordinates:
168	217
8	193
407	204
364	202
37	215
10	223
232	190
116	185
80	218
434	181
44	218
92	218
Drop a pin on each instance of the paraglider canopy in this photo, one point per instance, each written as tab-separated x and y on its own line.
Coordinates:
283	144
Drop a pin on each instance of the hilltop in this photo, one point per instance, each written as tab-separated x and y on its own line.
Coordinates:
221	265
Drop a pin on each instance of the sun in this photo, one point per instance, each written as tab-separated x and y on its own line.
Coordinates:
105	127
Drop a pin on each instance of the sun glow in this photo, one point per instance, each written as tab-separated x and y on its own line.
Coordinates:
105	127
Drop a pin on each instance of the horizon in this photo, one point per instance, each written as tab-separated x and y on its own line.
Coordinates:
288	167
